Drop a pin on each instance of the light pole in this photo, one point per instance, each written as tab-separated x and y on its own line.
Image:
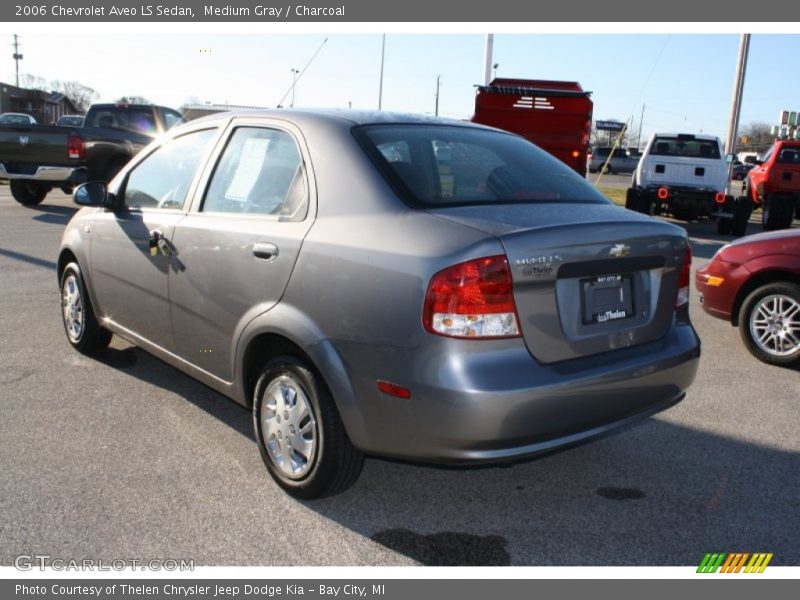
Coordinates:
436	112
295	73
380	83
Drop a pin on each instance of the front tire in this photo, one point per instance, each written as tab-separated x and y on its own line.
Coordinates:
83	331
28	193
769	323
299	432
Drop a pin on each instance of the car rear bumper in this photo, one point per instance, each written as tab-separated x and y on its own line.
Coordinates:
470	405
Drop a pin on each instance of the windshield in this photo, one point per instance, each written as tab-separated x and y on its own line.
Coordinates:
448	165
684	146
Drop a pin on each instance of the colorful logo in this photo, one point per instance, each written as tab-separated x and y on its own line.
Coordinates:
734	562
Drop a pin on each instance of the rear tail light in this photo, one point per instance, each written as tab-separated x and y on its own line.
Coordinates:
682	296
473	299
76	149
719	197
663	193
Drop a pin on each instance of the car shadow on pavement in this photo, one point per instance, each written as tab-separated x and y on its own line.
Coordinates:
57	215
656	493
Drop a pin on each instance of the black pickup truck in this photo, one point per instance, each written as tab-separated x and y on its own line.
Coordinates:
37	158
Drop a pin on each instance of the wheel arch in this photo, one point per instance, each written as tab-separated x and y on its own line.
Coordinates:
285	330
758	280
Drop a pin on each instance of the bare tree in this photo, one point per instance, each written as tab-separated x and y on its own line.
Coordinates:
33	82
134	100
755	137
81	95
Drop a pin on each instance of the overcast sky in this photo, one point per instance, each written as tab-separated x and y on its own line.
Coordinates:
685	81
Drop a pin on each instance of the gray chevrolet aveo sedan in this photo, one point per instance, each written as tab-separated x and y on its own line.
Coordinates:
383	284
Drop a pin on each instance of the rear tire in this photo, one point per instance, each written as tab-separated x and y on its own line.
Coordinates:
769	323
776	214
28	193
742	208
299	432
632	199
724	226
83	331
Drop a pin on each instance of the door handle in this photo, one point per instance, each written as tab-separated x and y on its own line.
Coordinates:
265	251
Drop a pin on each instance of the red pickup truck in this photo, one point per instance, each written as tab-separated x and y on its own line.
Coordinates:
774	185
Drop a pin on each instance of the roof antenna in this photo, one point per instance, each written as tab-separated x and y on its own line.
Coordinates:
303	70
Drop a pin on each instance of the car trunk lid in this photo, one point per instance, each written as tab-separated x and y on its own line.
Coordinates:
588	278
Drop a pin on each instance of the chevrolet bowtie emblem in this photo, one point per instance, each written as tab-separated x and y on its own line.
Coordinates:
620	250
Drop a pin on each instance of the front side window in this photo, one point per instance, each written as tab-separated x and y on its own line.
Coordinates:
446	165
162	179
260	172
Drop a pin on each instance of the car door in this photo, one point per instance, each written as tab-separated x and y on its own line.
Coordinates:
239	242
130	251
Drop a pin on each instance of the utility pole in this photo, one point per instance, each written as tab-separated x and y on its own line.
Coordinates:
487	58
437	95
380	84
738	86
641	121
17	55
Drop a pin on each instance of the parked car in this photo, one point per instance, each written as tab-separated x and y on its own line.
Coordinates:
16	119
38	158
754	283
774	185
375	283
740	170
682	174
620	161
70	121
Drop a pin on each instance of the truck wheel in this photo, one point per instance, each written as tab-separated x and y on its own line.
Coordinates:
632	199
769	323
27	193
724	226
742	208
83	331
113	168
776	214
300	435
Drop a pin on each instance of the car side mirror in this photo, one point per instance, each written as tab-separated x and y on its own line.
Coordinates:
92	193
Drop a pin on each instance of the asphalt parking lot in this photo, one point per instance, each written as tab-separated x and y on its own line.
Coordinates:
125	457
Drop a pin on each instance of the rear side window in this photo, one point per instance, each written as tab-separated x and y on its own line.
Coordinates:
260	172
686	146
450	165
789	156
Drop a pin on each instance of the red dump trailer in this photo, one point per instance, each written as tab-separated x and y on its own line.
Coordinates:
554	115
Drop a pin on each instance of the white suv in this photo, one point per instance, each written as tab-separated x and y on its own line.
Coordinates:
681	174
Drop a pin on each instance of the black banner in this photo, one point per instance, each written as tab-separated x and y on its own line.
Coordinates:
386	589
361	11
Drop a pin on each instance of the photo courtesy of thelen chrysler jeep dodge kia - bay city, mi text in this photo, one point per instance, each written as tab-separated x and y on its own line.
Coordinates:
383	284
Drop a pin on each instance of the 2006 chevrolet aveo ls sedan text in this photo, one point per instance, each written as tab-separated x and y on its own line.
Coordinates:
374	283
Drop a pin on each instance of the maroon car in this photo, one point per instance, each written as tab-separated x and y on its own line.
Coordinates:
754	283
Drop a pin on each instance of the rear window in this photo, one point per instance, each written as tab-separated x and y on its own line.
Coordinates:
685	146
131	118
789	156
449	165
